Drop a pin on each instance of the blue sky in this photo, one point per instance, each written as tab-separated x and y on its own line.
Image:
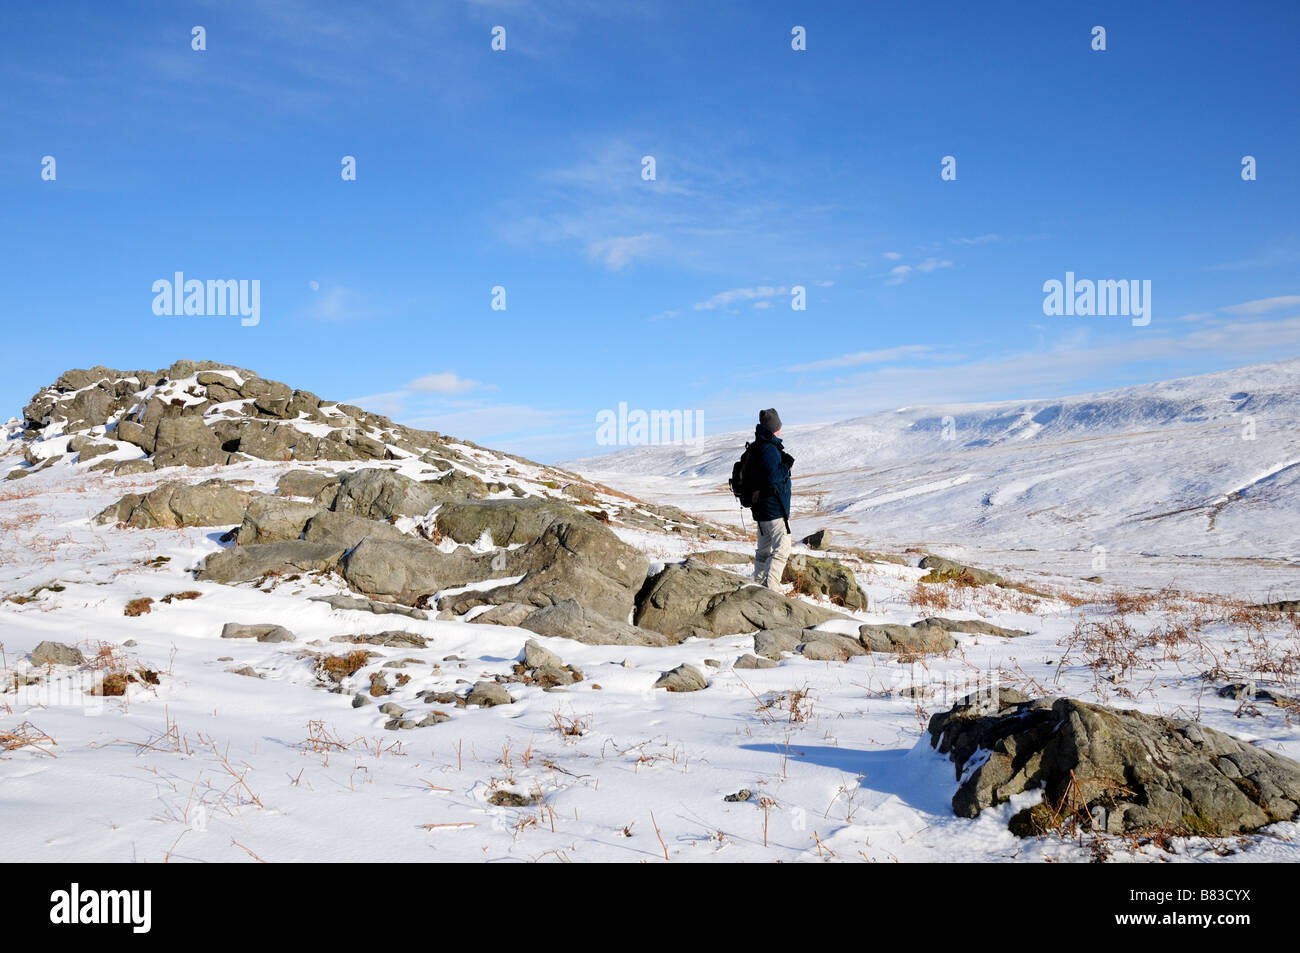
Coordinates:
775	168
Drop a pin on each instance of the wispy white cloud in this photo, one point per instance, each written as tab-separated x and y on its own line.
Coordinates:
1275	255
1263	305
900	273
617	253
881	356
724	299
444	382
1058	367
336	303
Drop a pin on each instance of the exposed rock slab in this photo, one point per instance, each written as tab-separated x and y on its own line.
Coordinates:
1118	771
692	599
569	620
249	563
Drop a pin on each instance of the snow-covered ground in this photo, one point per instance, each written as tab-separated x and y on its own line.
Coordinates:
1187	482
212	765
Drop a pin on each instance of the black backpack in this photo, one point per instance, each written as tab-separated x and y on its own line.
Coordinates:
742	483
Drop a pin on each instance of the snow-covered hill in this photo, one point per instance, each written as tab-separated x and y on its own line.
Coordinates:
1203	467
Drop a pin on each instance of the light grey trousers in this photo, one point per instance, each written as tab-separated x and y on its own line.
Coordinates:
772	554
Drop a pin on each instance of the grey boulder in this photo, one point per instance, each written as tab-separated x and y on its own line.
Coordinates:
1122	772
693	599
186	441
56	653
249	563
683	678
488	695
815	576
263	632
569	620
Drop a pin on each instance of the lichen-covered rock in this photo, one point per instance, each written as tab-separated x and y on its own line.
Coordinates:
692	599
815	576
408	571
945	570
909	639
186	441
508	521
1118	771
269	519
174	505
250	563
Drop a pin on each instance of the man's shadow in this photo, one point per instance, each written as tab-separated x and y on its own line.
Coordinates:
920	777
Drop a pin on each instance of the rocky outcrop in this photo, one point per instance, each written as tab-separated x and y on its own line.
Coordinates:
579	560
256	561
409	571
508	521
379	494
175	505
977	626
186	441
809	643
348	531
304	483
693	599
1121	772
361	604
269	519
508	613
945	570
906	639
569	620
928	635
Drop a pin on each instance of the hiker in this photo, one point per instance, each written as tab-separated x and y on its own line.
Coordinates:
771	478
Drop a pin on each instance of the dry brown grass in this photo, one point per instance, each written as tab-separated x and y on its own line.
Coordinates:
181	596
119	671
335	668
114	684
937	596
571	727
26	735
138	607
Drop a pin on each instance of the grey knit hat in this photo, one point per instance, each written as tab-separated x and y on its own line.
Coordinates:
770	419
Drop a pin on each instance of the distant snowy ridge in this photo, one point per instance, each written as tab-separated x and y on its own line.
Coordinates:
1202	466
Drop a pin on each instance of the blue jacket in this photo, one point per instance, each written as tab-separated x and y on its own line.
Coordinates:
773	474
